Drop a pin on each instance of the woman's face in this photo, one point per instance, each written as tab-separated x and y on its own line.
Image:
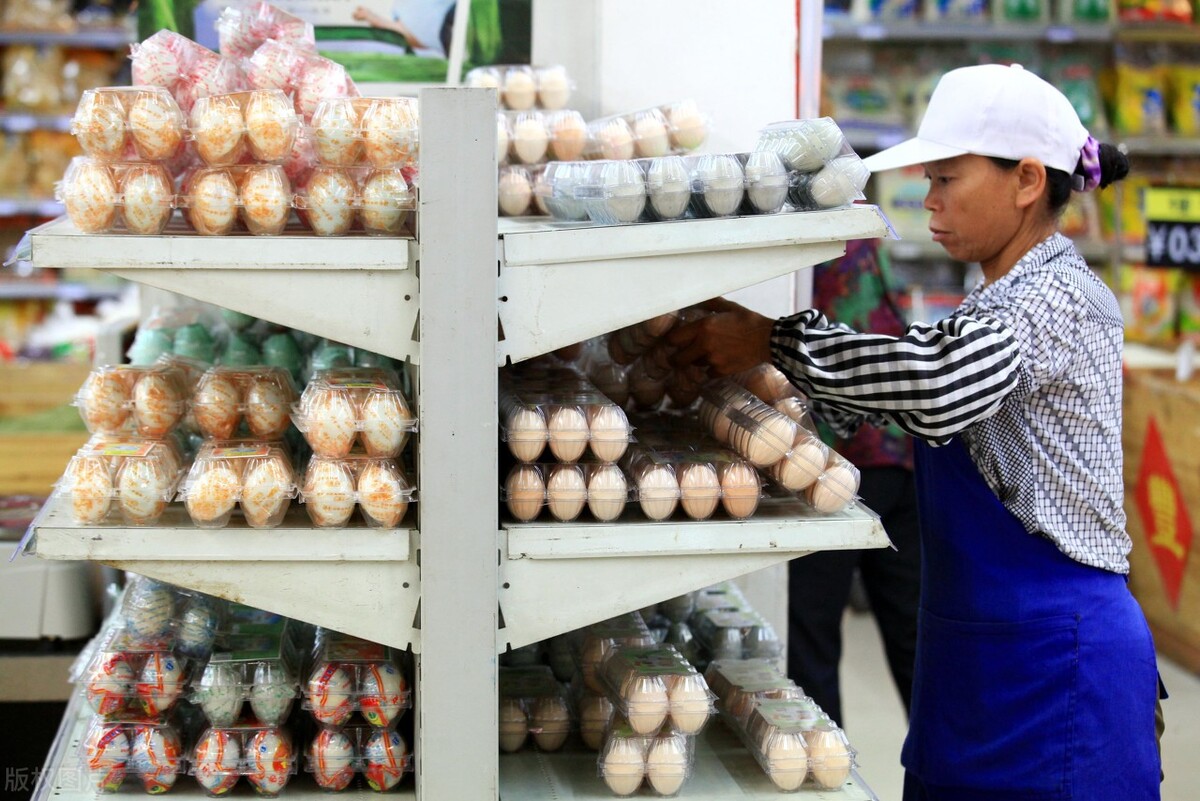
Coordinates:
973	207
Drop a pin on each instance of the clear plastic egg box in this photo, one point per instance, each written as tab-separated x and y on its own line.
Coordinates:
130	676
129	123
349	675
796	745
129	197
378	132
261	669
654	686
120	480
695	477
333	488
531	138
151	752
335	201
145	401
241	30
739	683
226	397
265	754
345	407
600	640
256	477
662	762
674	128
568	423
533	706
735	634
522	87
334	757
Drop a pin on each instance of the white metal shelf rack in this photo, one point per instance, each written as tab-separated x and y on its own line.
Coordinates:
458	564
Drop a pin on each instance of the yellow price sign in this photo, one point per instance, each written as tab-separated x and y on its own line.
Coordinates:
1173	205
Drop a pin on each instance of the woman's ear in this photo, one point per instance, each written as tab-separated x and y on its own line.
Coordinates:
1031	182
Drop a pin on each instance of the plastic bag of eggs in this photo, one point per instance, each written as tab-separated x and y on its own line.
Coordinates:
345	406
333	487
804	145
333	199
214	197
240	31
258	477
261	123
627	759
224	685
265	755
102	197
320	78
836	488
380	132
188	70
129	123
353	676
147	401
259	397
275	64
137	477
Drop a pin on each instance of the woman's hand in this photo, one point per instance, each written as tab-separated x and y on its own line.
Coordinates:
727	342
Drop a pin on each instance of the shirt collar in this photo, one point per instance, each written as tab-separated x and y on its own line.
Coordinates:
1049	248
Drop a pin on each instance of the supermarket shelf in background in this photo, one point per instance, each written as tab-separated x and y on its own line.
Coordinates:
923	250
1155	32
559	577
15	207
913	31
97	38
724	771
41	290
1161	145
312	283
563	283
23	121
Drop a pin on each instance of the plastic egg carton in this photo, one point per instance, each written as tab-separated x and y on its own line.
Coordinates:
134	479
241	30
351	675
127	675
265	755
735	634
215	198
298	71
378	132
695	481
601	640
523	87
564	490
647	133
260	124
740	684
796	747
735	417
129	123
257	477
336	756
255	668
333	201
663	762
258	400
347	406
188	70
569	423
143	401
332	488
826	173
595	713
127	197
654	686
533	707
626	344
112	752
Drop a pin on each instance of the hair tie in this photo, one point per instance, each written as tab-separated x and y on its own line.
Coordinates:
1089	164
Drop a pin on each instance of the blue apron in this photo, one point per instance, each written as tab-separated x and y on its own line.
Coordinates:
1035	675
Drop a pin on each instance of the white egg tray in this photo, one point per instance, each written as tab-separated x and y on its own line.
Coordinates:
265	755
378	132
567	424
653	687
735	634
533	707
188	70
130	481
345	407
333	488
661	762
144	401
261	398
354	676
152	753
129	678
335	756
523	87
258	478
240	31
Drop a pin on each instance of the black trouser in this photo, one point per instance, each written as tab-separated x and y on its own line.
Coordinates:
819	587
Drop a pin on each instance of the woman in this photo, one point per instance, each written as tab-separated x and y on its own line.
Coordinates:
1035	674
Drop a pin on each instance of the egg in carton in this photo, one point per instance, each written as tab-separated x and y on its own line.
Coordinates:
381	132
796	744
352	675
257	476
241	30
136	477
333	199
261	397
533	705
654	685
601	640
260	195
148	749
342	406
129	123
261	123
521	87
335	756
804	145
265	755
663	761
255	668
307	77
130	674
333	487
103	197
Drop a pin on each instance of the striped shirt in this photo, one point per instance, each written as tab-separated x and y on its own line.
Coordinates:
1027	371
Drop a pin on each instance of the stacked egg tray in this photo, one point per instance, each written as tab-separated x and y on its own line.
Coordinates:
117	479
522	87
632	365
794	742
534	707
352	167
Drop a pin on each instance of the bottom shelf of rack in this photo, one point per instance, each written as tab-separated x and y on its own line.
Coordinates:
724	771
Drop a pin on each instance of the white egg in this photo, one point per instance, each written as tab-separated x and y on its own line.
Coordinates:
148	199
530	138
623	765
271	126
331	757
219	693
382	694
390	133
615	139
266	492
337	132
99	125
270	758
106	754
668	187
148	610
161	682
156	125
386	757
554	87
722	185
514	191
688	126
90	195
266	198
329	693
215	761
212	492
386	421
383	494
658	491
329	494
217	128
215	405
329	202
520	90
89	485
158	404
157	757
624	194
268	399
767	179
608	432
213	203
386	199
143	487
650	135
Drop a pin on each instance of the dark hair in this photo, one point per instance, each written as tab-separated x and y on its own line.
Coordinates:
1114	165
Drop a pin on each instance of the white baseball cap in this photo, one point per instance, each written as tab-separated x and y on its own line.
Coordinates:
992	110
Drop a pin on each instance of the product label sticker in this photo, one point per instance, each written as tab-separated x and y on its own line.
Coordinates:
241	452
252	648
127	449
731	619
788	717
754	675
355	651
657	661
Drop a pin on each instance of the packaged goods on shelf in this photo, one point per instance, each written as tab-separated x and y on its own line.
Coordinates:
652	687
1140	96
335	756
663	761
51	16
102	197
242	29
596	714
380	132
1149	299
258	477
130	676
345	406
298	71
135	477
259	397
533	705
188	70
333	487
1151	11
601	640
261	193
351	675
129	123
227	128
332	200
529	141
570	419
523	87
694	481
112	751
265	755
735	634
142	401
256	669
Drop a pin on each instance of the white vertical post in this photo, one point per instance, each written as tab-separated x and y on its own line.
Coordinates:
457	751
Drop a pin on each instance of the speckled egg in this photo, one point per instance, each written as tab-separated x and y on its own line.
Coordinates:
266	492
382	493
143	487
89	484
329	202
104	400
90	195
385	423
217	127
385	201
158	404
156	757
156	125
390	133
266	200
336	134
215	406
99	125
267	402
271	126
331	422
329	493
148	200
213	203
212	492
